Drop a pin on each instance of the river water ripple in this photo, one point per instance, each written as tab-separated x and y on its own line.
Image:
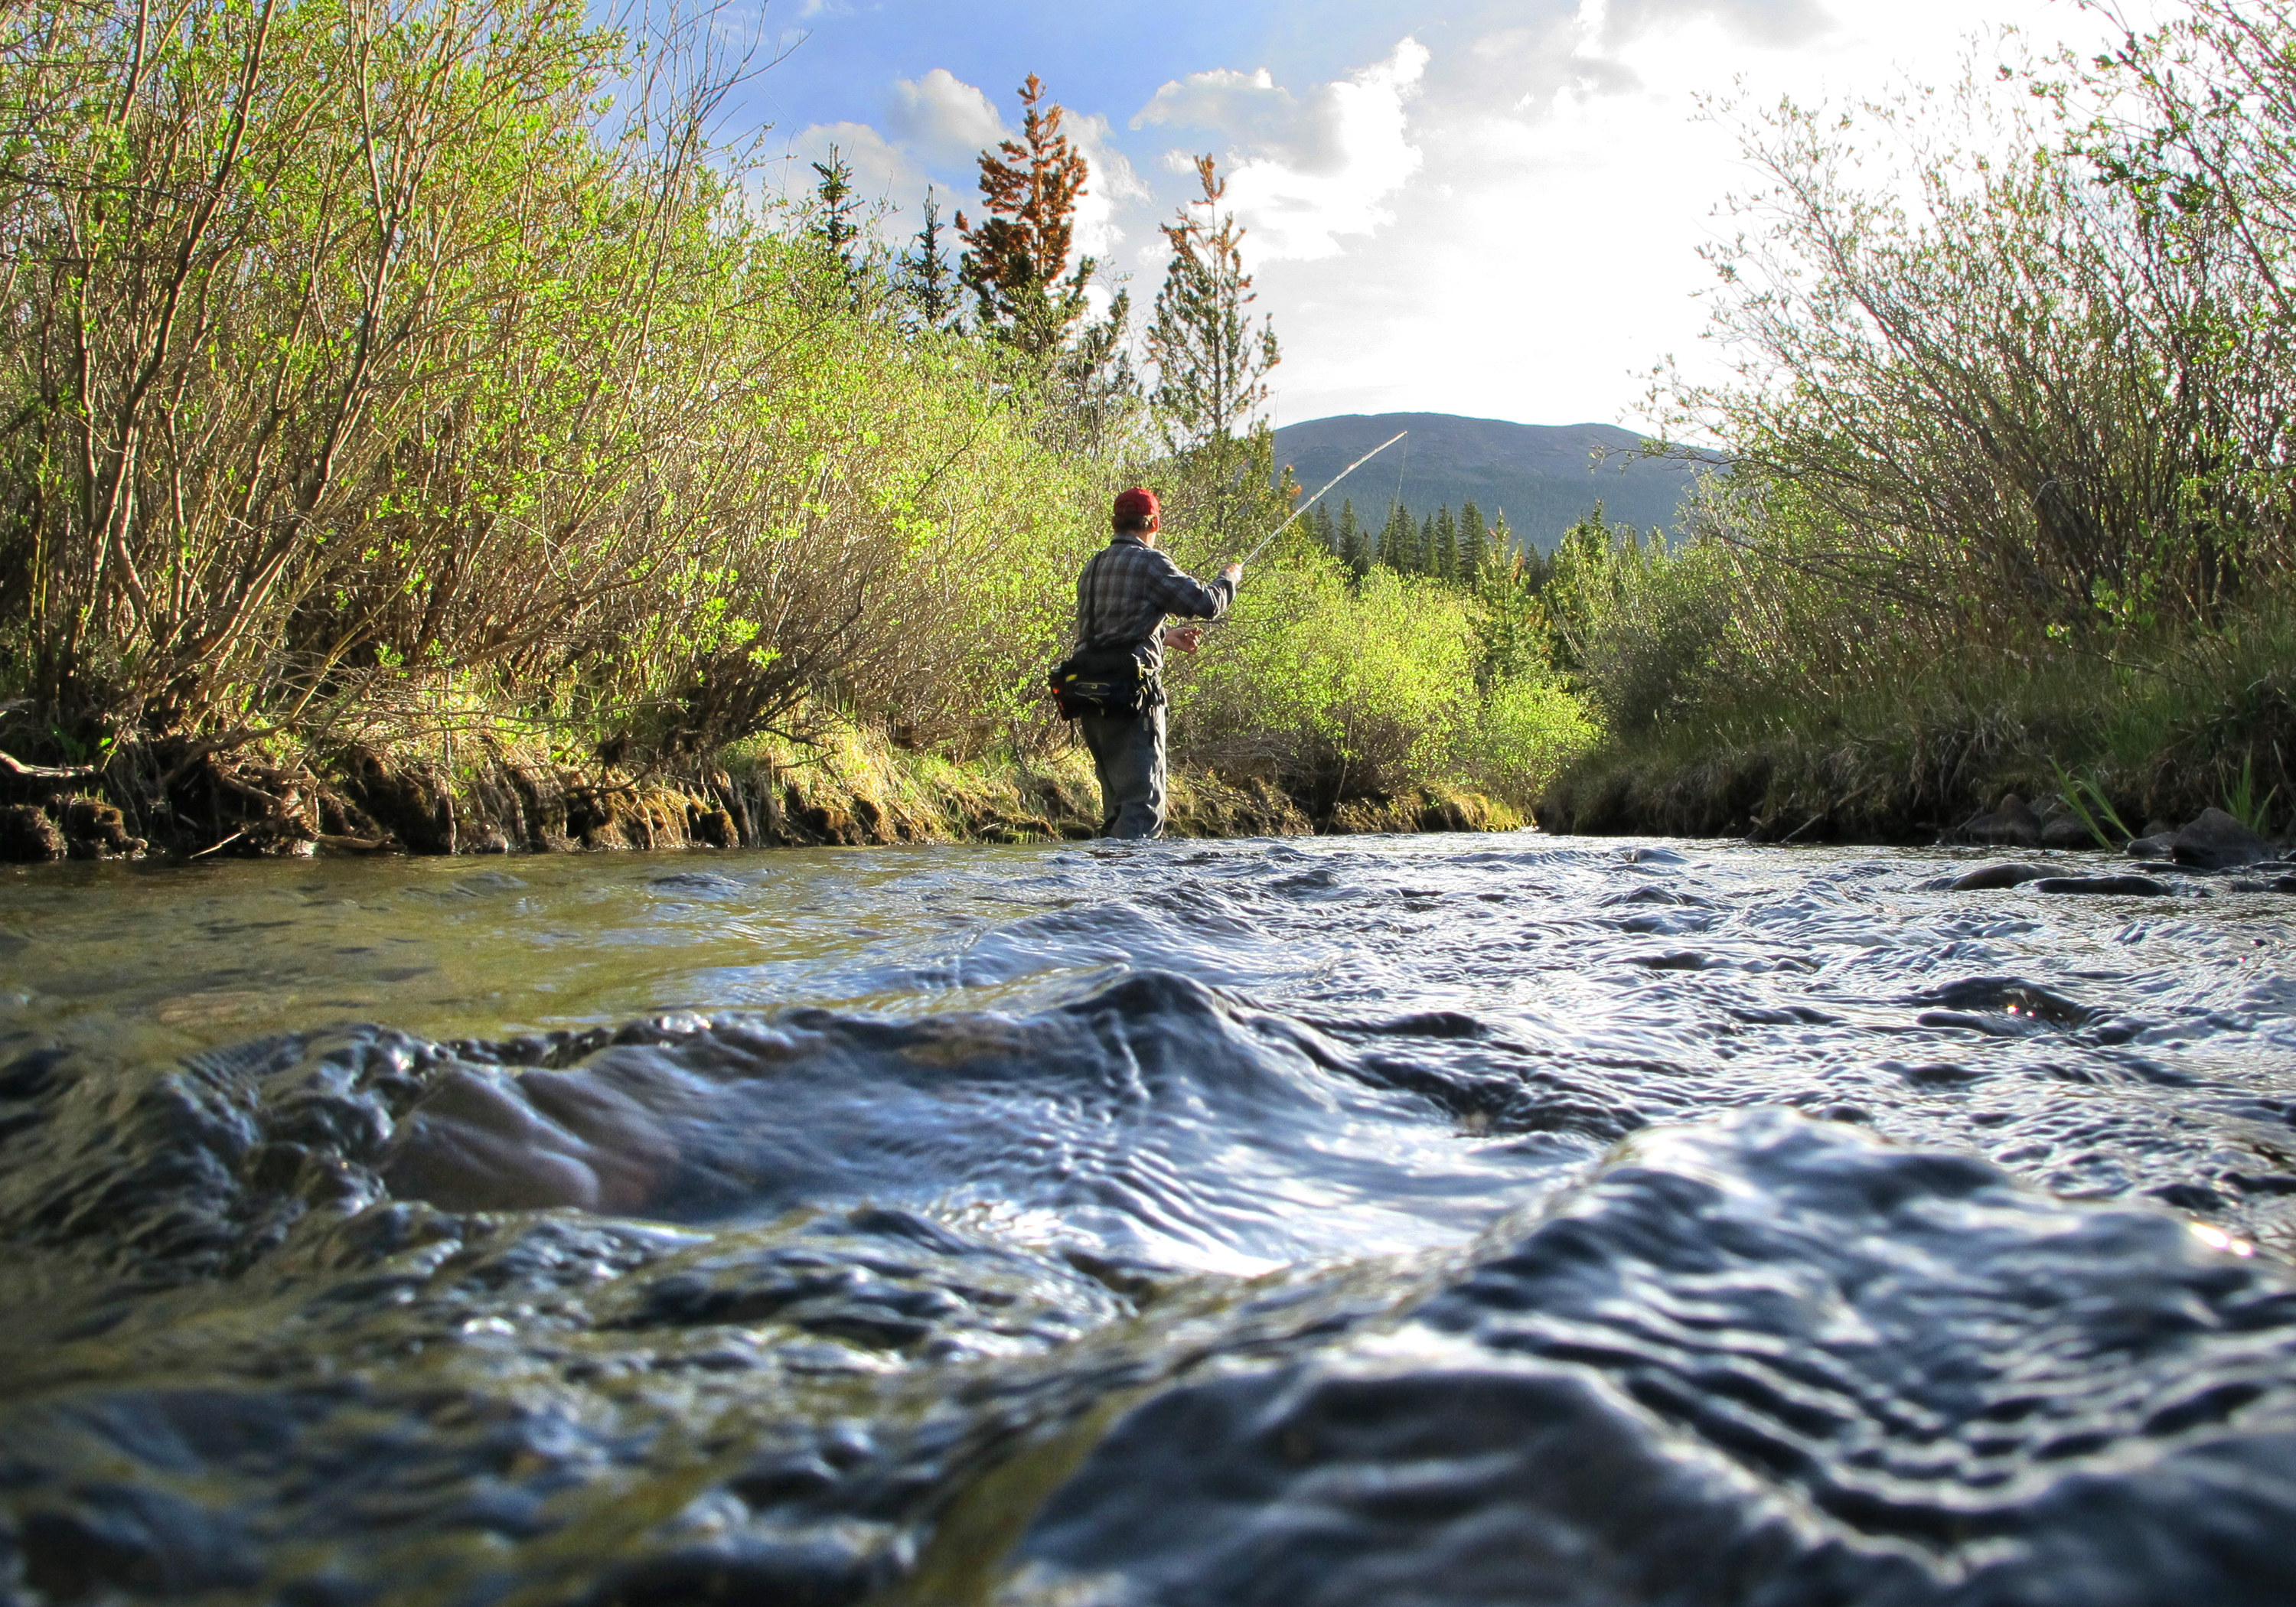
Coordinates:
1330	1224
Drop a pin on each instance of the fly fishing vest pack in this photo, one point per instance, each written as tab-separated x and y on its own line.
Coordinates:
1110	683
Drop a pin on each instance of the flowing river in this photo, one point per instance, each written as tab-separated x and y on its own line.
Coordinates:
1385	1222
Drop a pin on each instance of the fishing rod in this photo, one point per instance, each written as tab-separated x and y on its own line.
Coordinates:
1319	495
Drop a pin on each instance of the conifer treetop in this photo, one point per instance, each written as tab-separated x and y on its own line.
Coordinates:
1211	364
1016	261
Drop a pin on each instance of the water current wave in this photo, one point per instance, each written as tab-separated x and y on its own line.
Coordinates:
1469	1221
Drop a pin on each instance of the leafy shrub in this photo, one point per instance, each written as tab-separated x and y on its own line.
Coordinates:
1343	691
1528	731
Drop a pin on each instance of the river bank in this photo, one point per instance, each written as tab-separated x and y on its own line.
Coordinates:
502	797
2139	745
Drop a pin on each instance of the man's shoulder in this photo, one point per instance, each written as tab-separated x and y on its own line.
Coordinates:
1144	557
1132	556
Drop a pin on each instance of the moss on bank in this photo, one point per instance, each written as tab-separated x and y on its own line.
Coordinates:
506	796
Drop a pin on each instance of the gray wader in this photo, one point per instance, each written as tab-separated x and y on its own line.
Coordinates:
1129	754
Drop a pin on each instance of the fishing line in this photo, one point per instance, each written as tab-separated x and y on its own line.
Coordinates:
1402	467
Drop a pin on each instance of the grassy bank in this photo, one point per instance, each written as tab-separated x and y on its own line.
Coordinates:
2155	742
497	795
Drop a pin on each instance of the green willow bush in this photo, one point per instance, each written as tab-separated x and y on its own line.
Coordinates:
358	347
2007	406
1343	690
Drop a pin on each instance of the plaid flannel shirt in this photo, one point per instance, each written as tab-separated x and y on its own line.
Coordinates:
1128	589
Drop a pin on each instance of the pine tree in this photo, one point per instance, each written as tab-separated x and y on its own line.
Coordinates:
1095	369
1426	565
1353	548
1501	557
1510	629
1398	540
835	207
927	278
1538	566
1016	263
1474	545
1211	365
1320	522
1446	566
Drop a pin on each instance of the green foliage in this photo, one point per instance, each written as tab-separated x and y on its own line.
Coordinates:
373	373
926	278
470	377
1475	555
1222	497
2086	797
1351	543
1901	760
1528	731
2006	426
1397	547
2243	804
1343	691
835	208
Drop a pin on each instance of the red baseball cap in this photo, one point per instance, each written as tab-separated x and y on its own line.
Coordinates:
1139	503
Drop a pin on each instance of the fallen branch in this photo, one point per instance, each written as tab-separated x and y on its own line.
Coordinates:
12	766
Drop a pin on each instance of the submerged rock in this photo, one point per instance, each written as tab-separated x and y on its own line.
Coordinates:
2068	830
2125	887
2009	824
1991	878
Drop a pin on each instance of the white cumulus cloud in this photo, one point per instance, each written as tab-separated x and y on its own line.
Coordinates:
1303	175
1544	256
1771	23
1250	109
944	118
1114	187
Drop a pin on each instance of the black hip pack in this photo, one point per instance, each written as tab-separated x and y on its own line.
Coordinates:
1110	683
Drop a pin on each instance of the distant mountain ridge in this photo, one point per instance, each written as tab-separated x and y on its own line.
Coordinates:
1546	477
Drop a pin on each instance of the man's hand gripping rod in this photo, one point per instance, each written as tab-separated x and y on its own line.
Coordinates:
1319	495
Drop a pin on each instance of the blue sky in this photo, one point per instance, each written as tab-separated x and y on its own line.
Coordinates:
1097	55
1490	206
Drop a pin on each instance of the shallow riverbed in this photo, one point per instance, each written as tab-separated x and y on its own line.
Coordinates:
1365	1220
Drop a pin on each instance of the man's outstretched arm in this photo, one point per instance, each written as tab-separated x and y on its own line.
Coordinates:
1184	594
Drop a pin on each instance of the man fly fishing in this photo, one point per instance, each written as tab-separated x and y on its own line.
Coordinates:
1113	684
